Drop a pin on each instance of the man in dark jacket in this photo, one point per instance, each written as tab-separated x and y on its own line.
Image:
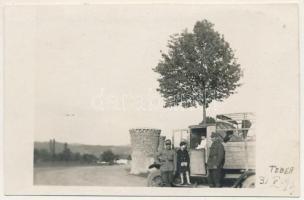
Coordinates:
166	159
215	161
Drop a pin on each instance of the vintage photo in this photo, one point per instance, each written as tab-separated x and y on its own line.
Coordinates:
156	97
197	67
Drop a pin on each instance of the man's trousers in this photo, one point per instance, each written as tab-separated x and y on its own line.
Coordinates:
215	177
167	178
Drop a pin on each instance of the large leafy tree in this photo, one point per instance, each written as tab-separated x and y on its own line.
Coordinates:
198	68
108	156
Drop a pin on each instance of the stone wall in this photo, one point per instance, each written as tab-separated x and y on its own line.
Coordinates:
161	143
144	144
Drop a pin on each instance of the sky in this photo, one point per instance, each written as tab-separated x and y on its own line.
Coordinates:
93	66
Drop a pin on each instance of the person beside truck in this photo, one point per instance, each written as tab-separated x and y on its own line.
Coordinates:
166	158
216	160
183	163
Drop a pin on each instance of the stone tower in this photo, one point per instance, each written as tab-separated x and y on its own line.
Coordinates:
161	143
144	144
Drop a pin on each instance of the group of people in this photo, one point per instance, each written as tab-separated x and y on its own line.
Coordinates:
178	162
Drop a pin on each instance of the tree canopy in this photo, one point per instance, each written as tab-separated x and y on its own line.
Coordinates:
199	67
108	156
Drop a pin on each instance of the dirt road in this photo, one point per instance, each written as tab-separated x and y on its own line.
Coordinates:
116	175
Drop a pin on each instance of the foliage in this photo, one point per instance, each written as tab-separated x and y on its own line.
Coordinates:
89	158
43	155
209	120
199	67
49	155
108	156
66	153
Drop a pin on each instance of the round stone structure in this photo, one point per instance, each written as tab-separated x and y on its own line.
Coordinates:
161	144
144	145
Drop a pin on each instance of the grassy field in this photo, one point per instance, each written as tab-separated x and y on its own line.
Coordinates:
115	175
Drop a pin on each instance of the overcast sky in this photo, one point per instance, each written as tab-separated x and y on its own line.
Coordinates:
93	67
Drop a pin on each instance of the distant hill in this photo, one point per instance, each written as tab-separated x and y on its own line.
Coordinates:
84	148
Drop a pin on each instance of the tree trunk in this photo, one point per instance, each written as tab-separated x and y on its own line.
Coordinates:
204	115
204	109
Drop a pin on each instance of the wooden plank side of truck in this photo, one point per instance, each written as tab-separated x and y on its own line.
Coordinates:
239	140
239	131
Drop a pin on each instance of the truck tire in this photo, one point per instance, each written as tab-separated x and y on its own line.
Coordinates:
249	182
154	179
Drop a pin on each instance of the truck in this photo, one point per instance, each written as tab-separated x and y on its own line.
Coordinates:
237	131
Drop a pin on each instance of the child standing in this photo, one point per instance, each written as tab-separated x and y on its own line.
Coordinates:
183	161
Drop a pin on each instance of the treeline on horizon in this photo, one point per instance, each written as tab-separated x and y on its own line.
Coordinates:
49	155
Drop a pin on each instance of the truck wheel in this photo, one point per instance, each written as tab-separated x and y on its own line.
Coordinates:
154	179
249	182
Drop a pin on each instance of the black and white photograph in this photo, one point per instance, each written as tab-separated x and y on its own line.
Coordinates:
188	98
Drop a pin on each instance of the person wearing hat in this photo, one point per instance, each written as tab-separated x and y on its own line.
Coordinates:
216	160
166	159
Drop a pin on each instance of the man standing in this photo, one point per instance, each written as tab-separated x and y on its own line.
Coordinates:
215	161
166	159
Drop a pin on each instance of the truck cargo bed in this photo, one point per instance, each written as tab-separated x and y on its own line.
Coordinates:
237	157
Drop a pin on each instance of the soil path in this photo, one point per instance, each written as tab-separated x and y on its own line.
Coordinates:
116	175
